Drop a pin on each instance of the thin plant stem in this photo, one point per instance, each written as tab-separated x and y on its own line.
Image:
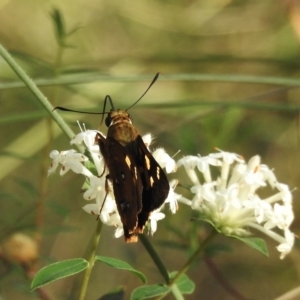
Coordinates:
187	265
162	268
190	261
176	292
43	187
89	77
158	262
43	184
36	92
91	261
160	265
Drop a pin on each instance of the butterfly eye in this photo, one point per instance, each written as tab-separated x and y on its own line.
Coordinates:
107	120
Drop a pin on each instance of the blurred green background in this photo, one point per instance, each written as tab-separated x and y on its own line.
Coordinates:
218	62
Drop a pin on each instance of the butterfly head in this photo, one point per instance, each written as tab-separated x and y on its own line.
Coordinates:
117	116
121	116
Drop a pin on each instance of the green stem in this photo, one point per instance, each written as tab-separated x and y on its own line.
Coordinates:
193	257
160	265
43	187
176	293
88	77
36	92
91	261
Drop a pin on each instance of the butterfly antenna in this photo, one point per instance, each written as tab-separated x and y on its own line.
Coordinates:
153	81
107	98
77	111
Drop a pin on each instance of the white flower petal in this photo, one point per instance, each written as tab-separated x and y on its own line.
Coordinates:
286	247
164	160
119	232
91	209
147	139
154	217
231	201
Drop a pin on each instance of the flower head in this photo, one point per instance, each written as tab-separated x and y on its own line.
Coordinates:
231	202
69	160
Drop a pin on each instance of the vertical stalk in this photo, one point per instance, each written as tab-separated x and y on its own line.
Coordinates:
91	261
186	266
190	261
158	262
43	187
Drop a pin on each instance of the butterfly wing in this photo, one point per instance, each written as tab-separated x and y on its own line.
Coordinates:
127	184
140	185
155	183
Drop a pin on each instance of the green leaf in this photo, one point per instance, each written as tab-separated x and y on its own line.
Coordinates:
255	243
149	291
59	25
184	284
60	28
57	271
120	265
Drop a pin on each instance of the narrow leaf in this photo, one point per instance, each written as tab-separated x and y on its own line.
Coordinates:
149	291
57	271
58	24
255	243
121	265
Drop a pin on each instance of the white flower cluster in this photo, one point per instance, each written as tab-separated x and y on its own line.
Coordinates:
104	204
231	201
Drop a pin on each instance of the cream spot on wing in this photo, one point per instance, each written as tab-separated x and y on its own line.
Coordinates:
127	160
158	173
147	162
151	181
135	172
